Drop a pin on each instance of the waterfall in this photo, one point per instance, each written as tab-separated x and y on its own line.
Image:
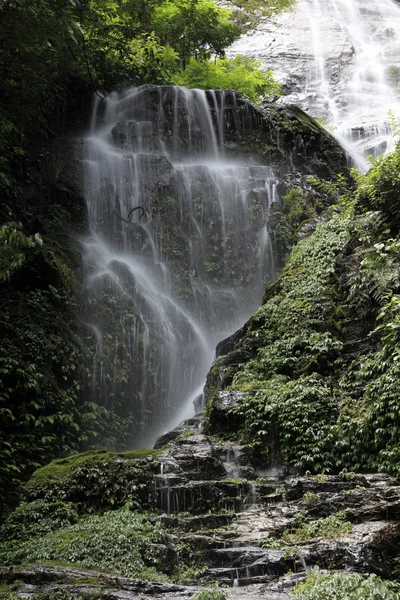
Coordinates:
178	254
340	61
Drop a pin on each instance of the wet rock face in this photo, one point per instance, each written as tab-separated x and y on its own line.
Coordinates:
295	142
338	61
285	45
39	579
221	418
345	522
179	187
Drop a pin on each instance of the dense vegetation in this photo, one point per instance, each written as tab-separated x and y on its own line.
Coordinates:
320	386
340	585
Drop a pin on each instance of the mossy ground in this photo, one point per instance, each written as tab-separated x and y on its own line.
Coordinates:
61	468
96	481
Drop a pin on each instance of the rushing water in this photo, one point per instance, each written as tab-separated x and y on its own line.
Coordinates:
165	282
340	61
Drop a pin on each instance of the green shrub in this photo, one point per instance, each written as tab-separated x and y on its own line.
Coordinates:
118	541
213	594
341	586
241	74
38	518
328	527
97	480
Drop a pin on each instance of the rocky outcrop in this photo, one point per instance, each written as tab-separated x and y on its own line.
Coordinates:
33	579
243	527
283	136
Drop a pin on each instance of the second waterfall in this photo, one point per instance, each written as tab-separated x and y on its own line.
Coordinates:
178	254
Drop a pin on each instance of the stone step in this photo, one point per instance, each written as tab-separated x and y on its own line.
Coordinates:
235	556
199	497
249	581
211	521
272	564
206	543
357	551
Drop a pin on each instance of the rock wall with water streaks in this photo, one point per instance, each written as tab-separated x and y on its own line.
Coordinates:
340	61
179	185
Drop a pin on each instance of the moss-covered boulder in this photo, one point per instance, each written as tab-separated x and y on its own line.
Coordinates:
97	480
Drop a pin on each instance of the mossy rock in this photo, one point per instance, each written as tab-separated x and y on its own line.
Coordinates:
291	140
97	480
221	412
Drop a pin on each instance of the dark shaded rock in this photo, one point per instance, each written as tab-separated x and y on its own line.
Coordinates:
236	462
195	457
198	403
308	228
294	490
158	168
168	437
199	497
49	578
221	417
211	521
228	344
69	176
140	135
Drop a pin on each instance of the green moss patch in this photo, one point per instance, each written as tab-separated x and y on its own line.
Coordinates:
97	480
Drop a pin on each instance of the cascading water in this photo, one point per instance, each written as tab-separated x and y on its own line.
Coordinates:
340	60
179	253
360	109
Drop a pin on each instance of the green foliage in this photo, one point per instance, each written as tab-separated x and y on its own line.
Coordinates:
96	480
291	397
184	574
194	28
271	543
287	215
311	498
240	74
343	585
118	44
247	13
8	595
214	594
118	541
321	385
296	207
38	518
299	411
41	416
328	527
38	388
379	190
14	245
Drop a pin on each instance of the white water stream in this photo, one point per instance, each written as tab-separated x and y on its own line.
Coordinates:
340	61
166	282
